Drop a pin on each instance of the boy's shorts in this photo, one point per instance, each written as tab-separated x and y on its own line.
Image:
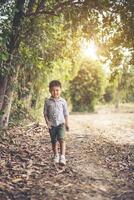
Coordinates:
57	133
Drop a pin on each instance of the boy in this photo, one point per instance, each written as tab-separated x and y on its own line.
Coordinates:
56	117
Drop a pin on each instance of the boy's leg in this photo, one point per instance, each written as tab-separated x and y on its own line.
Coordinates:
54	148
61	139
53	136
62	147
56	158
62	152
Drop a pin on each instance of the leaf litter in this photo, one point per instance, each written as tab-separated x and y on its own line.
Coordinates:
96	167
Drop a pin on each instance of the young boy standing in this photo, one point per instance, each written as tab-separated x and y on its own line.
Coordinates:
56	116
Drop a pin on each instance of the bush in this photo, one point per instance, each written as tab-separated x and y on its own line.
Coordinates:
87	87
109	94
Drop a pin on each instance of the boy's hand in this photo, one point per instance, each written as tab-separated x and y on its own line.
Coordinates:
67	127
49	125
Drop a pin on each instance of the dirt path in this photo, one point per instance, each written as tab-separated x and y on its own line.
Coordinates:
116	127
100	161
104	145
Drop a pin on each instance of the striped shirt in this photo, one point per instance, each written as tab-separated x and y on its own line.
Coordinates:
56	110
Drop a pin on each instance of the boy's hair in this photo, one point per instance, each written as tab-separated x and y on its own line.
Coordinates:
54	83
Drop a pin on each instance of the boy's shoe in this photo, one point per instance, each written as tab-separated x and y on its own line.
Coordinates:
56	158
62	160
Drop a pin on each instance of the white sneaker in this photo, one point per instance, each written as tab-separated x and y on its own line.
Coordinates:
62	160
56	158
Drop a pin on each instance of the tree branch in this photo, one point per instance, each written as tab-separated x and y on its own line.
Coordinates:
41	6
56	8
13	43
3	2
30	5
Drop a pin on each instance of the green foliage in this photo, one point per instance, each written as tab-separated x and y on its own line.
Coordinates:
109	94
129	92
48	48
6	13
87	87
50	53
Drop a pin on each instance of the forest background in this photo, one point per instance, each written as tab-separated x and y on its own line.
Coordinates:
87	45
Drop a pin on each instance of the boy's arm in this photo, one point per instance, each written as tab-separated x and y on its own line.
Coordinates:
66	114
47	121
46	116
66	123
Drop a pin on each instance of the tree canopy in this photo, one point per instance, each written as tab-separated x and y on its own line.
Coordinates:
41	40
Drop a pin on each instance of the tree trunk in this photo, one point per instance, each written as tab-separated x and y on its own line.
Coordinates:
6	106
8	98
7	81
3	85
117	100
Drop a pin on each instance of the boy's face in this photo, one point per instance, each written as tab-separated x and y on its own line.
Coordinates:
55	91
